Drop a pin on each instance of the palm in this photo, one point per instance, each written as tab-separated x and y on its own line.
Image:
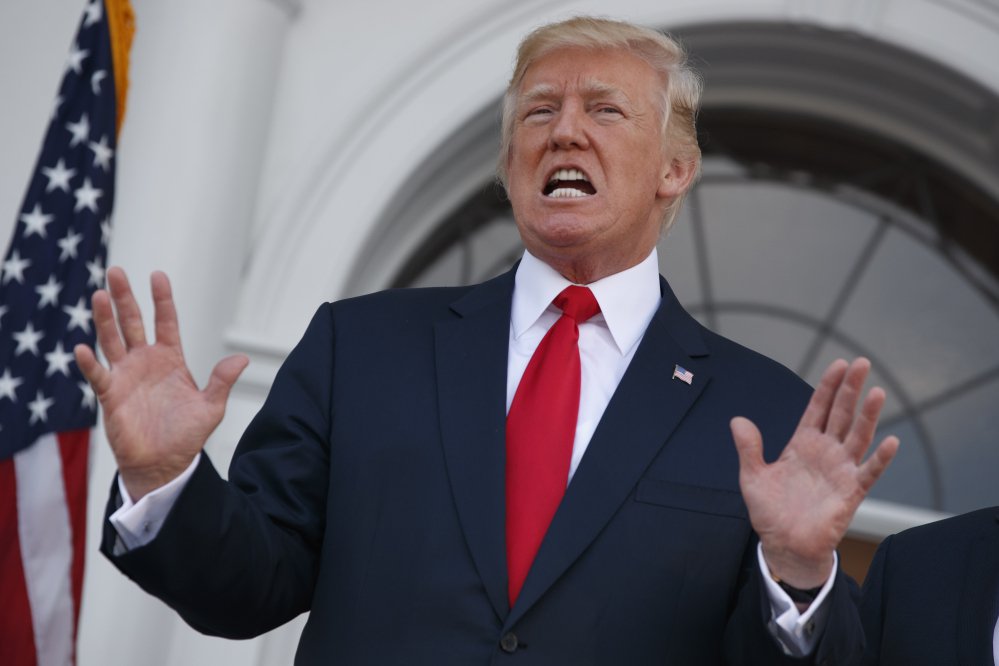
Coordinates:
155	416
802	504
153	407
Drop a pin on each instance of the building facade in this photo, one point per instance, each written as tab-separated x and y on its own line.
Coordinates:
281	153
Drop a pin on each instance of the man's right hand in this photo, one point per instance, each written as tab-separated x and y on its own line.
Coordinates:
156	418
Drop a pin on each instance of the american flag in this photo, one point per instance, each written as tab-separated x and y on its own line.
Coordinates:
684	375
55	261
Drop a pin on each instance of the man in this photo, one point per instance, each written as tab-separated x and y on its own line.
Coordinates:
526	470
932	594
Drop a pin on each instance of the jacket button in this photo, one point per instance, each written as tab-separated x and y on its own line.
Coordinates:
509	642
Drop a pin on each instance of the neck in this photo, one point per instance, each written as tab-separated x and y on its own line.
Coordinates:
589	269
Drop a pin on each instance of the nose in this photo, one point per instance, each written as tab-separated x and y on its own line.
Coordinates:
569	128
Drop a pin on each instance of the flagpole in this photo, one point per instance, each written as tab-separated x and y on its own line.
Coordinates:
121	23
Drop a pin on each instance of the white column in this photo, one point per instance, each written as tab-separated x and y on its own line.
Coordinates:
202	84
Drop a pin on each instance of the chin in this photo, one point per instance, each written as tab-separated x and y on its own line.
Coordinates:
563	237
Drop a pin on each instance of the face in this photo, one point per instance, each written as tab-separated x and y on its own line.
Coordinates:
588	176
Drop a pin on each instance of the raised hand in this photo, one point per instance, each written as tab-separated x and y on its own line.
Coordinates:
155	416
801	504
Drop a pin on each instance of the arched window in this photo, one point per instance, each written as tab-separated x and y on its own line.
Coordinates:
844	209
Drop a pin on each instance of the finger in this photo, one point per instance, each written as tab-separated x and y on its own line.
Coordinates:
847	395
874	467
862	434
92	370
166	325
224	375
817	412
749	445
107	330
129	315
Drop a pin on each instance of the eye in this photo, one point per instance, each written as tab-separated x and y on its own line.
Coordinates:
606	109
537	115
538	111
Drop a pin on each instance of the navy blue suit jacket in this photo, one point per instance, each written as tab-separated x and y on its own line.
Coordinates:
370	490
932	594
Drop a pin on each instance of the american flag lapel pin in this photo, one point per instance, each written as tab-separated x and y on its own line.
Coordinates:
684	375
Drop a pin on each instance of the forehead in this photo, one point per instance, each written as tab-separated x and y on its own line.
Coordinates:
576	70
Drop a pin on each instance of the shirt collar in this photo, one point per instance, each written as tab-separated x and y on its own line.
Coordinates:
628	300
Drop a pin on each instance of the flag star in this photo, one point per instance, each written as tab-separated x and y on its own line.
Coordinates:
49	292
96	273
102	153
95	81
39	408
68	245
3	311
13	268
58	360
92	13
8	385
27	340
79	316
105	231
35	221
58	176
89	400
80	129
75	59
86	196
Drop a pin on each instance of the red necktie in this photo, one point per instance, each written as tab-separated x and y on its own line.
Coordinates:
540	429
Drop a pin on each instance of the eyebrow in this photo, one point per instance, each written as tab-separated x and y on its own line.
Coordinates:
538	92
590	88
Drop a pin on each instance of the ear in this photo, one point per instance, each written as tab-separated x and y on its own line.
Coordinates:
677	179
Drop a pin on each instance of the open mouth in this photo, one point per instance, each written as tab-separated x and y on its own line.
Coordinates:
568	183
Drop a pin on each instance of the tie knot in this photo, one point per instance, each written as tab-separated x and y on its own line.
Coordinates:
577	302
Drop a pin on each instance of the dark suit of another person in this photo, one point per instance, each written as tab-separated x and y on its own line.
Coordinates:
370	490
931	597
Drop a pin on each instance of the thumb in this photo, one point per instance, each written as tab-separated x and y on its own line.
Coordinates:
224	375
748	443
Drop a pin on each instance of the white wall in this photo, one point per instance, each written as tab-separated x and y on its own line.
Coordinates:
203	76
263	142
34	39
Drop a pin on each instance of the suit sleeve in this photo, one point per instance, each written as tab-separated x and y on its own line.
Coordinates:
871	608
239	558
749	640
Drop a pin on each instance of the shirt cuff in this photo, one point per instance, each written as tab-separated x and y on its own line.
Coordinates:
138	523
798	633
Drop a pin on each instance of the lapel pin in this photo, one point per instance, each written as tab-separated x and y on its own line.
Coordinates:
685	376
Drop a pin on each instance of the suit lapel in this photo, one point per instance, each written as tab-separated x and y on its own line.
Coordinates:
978	607
471	357
640	417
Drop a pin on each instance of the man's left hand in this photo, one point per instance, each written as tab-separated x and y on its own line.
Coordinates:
801	504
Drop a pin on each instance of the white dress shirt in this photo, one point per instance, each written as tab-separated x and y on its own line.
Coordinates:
607	343
995	644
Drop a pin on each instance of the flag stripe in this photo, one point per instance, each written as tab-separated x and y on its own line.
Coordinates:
18	646
74	448
46	548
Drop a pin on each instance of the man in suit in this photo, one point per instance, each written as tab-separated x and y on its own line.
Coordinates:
932	594
538	469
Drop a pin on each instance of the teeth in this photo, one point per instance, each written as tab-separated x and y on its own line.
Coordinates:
569	174
567	192
565	176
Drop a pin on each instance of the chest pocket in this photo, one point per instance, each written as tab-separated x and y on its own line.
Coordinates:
710	501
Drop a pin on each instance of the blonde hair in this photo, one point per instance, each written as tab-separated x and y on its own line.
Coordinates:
680	95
